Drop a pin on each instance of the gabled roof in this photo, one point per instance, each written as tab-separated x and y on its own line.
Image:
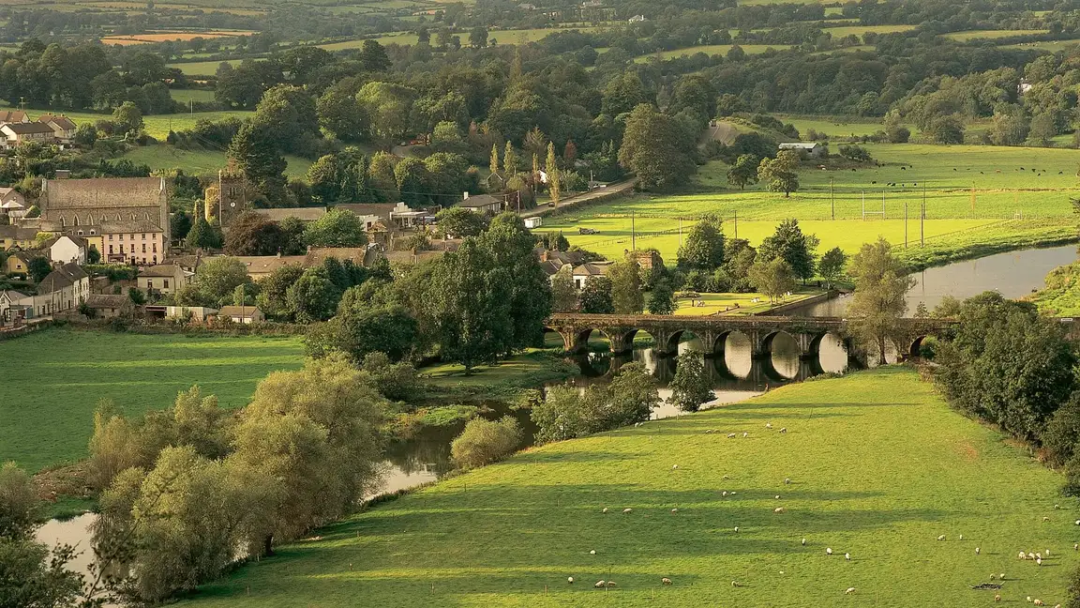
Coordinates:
799	145
265	264
12	295
480	200
316	255
166	271
13	116
552	267
60	121
28	128
103	192
100	300
78	240
129	227
26	256
593	269
17	233
381	210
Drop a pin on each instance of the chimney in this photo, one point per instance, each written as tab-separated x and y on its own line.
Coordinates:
465	196
544	256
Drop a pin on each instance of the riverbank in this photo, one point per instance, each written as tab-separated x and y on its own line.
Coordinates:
871	458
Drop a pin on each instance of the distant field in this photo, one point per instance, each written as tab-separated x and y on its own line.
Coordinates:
196	95
879	468
157	125
151	38
500	36
990	34
859	30
47	405
1010	207
203	68
714	49
1050	47
164	156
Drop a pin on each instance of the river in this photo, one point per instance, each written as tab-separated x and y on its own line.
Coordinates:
735	376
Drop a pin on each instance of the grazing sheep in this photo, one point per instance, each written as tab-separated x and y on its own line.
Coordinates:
611	583
828	550
976	550
1037	602
1047	552
674	511
992	576
1045	518
787	481
847	556
1038	556
724	493
732	493
1001	576
783	430
849	591
732	436
708	431
778	510
599	584
768	425
605	510
665	581
736	529
997	598
627	511
804	542
746	434
593	552
674	467
1022	555
777	497
1076	546
735	584
570	580
1038	561
961	537
942	537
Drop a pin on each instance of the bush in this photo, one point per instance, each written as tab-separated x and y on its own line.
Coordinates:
485	441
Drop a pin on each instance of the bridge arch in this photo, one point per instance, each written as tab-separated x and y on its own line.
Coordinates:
671	345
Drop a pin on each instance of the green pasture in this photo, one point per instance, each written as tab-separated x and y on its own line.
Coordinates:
734	304
157	125
1051	46
500	36
203	68
1008	208
196	95
713	49
879	468
54	379
834	126
990	34
165	156
847	30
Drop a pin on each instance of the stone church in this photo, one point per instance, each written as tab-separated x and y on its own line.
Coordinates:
70	203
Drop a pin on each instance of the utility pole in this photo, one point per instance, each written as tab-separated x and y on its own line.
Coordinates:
905	223
633	233
922	218
736	224
832	195
973	199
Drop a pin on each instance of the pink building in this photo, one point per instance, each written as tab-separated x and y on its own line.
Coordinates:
133	242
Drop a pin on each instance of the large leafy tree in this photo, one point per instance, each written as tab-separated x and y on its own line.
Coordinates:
626	290
690	388
662	298
744	172
881	282
831	265
773	278
512	249
313	297
255	152
251	233
459	222
1007	364
781	174
564	294
338	228
596	296
656	148
794	247
703	248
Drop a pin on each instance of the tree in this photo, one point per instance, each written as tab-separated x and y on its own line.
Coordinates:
478	37
690	387
273	291
855	153
459	222
340	113
412	181
1008	365
373	57
128	118
93	256
254	149
512	248
360	330
510	161
564	294
631	396
656	148
895	130
18	503
744	171
831	265
38	269
703	248
773	278
662	300
313	297
880	286
215	284
947	129
338	228
596	296
552	168
794	247
780	174
626	292
1043	128
252	233
1009	127
203	235
485	441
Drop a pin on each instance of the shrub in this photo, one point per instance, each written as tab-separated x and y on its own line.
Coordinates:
485	441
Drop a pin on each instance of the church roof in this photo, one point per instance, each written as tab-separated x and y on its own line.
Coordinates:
104	192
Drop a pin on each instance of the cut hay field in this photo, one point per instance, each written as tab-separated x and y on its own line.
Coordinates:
154	37
165	156
713	49
1012	208
990	34
879	468
54	379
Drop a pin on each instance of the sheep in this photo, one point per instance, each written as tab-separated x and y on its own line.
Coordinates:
665	581
736	529
593	552
724	493
1037	602
778	510
1038	556
961	537
1022	555
611	583
674	467
1038	561
1047	552
627	511
849	591
605	510
992	575
787	481
1045	518
674	511
732	492
599	584
732	436
942	537
777	497
1076	546
828	550
570	580
976	550
736	584
1078	522
997	598
783	430
1001	576
804	542
746	434
847	556
768	425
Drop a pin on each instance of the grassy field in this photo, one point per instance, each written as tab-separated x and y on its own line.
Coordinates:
879	468
1050	47
54	379
713	49
837	127
203	68
196	95
157	125
859	30
725	303
990	34
165	156
1011	207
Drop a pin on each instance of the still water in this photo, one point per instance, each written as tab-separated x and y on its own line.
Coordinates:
1013	275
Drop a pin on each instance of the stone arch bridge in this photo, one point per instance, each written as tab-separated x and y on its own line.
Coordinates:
668	330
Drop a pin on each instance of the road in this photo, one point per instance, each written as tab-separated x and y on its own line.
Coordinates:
585	197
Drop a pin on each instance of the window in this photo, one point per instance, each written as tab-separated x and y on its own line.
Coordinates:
110	249
80	233
110	237
165	282
144	247
121	237
155	247
144	237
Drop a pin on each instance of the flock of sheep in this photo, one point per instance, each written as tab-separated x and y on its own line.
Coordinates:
1037	557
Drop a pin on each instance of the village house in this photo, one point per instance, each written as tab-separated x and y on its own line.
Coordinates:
18	263
10	307
62	291
15	134
195	313
242	314
13	204
811	149
70	204
137	242
481	203
63	127
9	116
584	272
261	266
163	279
14	236
108	306
68	249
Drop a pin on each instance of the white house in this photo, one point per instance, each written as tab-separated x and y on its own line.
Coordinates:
13	204
584	272
242	314
68	250
808	148
62	291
